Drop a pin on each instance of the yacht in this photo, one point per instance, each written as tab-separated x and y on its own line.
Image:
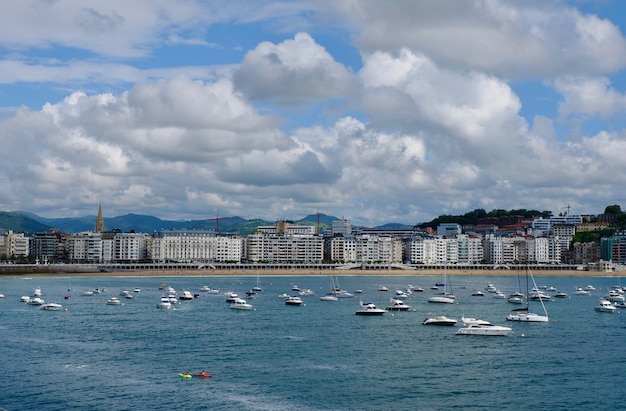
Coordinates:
164	303
114	301
484	329
525	316
51	306
230	297
369	309
442	299
240	304
605	306
186	295
439	320
397	305
293	300
36	301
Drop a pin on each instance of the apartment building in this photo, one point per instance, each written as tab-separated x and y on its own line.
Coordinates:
14	244
285	249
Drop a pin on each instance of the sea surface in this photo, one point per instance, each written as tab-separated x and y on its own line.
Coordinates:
319	356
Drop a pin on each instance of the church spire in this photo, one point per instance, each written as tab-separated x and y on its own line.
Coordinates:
99	220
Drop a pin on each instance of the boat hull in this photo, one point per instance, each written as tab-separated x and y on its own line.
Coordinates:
486	330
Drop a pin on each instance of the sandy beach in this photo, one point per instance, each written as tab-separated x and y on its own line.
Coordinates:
353	272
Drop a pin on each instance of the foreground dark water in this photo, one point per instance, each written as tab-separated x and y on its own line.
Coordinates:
315	357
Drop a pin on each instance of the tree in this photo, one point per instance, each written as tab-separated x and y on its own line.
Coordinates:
613	209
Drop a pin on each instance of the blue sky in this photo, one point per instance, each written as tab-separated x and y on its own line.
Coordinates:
374	111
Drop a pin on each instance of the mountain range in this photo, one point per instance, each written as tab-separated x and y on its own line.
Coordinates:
21	221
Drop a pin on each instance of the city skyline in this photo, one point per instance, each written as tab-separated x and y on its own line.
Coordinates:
375	112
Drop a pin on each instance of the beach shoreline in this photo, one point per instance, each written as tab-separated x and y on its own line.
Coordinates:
309	272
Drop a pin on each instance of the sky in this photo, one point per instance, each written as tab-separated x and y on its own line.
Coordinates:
375	111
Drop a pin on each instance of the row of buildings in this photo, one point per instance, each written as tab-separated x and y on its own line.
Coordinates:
542	241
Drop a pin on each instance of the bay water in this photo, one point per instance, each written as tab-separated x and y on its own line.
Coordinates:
319	356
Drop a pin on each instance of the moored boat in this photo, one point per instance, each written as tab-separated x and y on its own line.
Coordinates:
605	306
484	329
51	306
240	304
397	305
439	320
114	301
293	300
164	303
370	309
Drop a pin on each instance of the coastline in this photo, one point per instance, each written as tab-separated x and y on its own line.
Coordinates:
309	272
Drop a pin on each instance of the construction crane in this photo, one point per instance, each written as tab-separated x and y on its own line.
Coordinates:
568	208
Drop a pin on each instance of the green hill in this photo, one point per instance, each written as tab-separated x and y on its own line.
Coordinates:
21	223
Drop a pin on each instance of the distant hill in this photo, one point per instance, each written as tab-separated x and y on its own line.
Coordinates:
21	223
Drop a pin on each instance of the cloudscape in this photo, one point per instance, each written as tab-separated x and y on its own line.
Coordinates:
376	111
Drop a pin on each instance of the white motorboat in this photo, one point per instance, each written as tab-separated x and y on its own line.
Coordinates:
36	301
605	306
615	296
306	291
484	329
400	294
25	298
329	297
370	309
472	320
51	306
87	293
240	304
230	296
538	295
383	288
343	294
478	294
439	320
186	296
114	301
293	300
560	294
173	299
582	291
164	303
37	292
137	290
126	294
397	305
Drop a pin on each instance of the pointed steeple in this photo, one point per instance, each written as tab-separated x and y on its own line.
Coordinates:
99	220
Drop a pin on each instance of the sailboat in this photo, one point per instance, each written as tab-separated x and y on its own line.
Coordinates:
446	297
257	287
331	296
522	314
